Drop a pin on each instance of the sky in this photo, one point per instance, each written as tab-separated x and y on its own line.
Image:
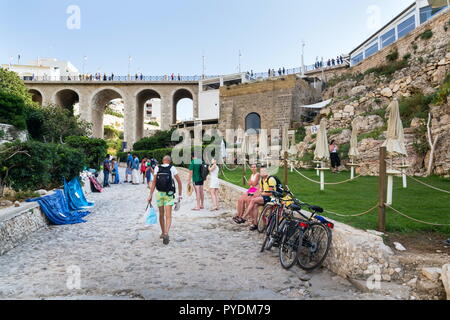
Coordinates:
172	36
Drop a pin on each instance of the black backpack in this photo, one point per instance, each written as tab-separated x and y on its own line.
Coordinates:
164	181
279	186
204	171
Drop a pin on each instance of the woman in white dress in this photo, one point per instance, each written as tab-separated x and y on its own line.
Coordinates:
214	184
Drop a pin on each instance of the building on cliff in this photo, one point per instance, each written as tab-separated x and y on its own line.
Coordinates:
409	19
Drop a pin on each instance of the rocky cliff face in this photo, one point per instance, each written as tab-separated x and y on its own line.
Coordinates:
421	82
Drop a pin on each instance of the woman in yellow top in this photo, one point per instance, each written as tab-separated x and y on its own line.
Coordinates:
267	186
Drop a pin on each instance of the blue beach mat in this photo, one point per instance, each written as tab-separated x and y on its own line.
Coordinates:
57	211
75	195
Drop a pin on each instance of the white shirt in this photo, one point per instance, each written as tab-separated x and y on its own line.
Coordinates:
173	170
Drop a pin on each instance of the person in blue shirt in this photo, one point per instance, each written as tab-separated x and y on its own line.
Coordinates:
129	170
106	171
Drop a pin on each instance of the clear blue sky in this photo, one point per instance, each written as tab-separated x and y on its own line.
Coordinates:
171	36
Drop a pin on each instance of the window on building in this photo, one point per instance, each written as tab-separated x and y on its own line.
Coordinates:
427	12
371	50
358	58
388	38
406	26
253	122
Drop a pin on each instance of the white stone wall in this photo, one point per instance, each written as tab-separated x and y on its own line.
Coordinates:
17	224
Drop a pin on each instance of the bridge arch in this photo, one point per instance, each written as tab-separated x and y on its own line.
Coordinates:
36	96
66	98
179	95
142	98
100	99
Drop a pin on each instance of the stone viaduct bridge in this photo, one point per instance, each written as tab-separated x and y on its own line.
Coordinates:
93	97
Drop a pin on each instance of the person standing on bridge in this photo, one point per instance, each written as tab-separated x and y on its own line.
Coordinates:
165	175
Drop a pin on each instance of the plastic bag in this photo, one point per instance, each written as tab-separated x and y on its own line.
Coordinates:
151	218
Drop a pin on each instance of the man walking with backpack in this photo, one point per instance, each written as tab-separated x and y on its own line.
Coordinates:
164	183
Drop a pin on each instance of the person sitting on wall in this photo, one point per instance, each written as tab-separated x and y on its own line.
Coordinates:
268	184
253	191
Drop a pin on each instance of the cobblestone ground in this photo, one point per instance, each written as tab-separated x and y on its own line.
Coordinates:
120	258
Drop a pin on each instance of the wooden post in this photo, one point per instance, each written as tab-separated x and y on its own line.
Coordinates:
286	168
382	191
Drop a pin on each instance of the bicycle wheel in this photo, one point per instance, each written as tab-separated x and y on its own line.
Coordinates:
313	247
269	231
289	247
263	218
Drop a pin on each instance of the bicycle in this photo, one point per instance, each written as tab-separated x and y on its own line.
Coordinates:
315	241
275	220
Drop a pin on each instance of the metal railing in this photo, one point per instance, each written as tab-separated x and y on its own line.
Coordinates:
110	78
179	78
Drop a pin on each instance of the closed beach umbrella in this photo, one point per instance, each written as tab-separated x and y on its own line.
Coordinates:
395	140
353	153
322	151
263	145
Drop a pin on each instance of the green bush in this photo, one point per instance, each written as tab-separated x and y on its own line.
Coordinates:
111	112
388	69
335	131
110	132
375	134
44	165
441	96
416	106
12	110
343	150
162	139
427	34
54	124
300	134
393	56
94	149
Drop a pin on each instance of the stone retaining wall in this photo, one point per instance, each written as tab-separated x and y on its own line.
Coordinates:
17	224
354	253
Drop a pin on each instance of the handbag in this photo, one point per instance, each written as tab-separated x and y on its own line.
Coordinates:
252	191
152	219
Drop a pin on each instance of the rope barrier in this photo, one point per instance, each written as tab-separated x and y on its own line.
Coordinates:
326	183
416	220
353	215
428	185
227	179
229	168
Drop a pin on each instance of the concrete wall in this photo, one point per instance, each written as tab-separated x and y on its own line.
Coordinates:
354	253
274	100
17	224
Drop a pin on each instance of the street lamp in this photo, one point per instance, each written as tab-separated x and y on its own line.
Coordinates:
240	55
303	61
129	66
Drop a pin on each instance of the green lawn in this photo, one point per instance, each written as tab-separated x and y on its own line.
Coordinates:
356	196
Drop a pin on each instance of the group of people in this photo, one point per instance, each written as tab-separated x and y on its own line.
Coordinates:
261	186
330	63
110	171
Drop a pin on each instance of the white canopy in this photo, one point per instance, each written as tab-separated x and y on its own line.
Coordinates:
319	105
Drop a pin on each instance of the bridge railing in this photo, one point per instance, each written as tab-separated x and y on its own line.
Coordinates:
110	78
